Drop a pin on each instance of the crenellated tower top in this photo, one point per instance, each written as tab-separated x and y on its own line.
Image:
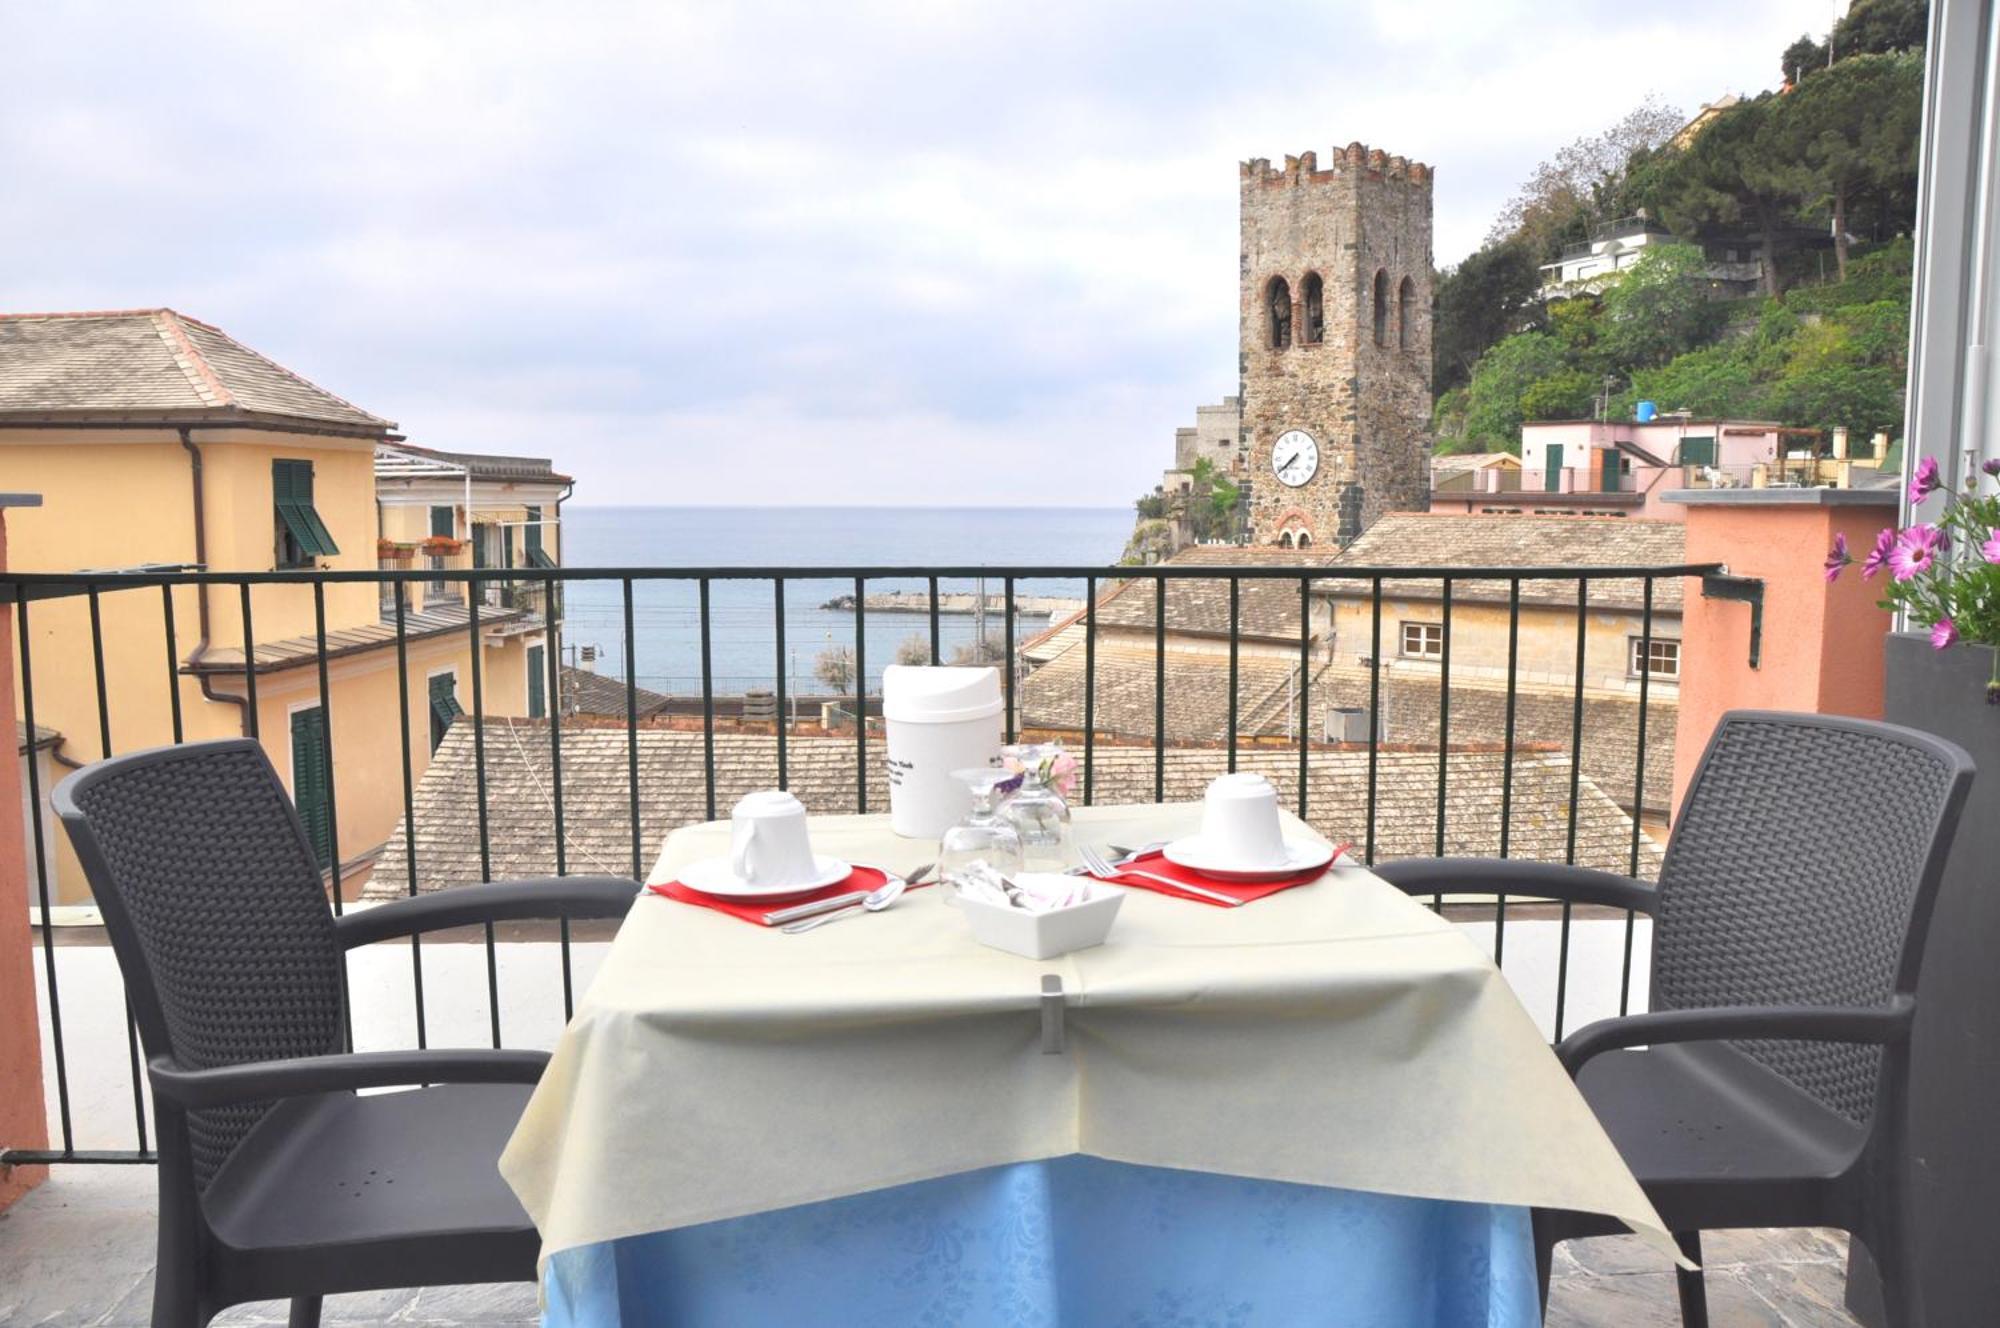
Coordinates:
1372	163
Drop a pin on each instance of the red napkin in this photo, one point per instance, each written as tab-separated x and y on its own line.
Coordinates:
1156	862
861	878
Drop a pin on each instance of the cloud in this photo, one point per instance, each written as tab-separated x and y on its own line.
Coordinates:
922	252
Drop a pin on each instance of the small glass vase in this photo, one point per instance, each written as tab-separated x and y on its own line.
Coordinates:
1037	810
983	838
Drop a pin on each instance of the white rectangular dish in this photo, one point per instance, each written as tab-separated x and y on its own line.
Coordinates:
1045	935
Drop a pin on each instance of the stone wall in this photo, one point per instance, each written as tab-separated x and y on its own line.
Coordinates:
1366	405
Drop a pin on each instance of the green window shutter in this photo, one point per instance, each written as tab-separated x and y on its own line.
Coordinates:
1553	468
442	522
481	532
1698	451
531	536
444	706
292	491
540	558
537	683
309	782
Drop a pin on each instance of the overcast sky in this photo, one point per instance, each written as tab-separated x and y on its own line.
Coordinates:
745	252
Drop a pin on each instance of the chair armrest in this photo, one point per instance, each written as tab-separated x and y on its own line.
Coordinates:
492	901
260	1081
1514	876
1801	1023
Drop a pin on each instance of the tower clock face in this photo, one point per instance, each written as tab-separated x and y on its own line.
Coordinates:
1295	457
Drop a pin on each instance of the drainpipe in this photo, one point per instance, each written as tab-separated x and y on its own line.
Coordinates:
208	691
550	641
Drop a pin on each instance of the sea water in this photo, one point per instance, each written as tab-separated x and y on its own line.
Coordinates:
666	614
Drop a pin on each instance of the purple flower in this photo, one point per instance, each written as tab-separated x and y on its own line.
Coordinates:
1916	552
1838	558
1925	482
1991	466
1990	550
1943	632
1878	557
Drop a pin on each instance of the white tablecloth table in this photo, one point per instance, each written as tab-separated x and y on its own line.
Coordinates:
1338	1034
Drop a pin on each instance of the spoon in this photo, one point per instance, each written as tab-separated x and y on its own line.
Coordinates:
874	901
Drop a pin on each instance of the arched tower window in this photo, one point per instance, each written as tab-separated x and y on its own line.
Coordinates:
1285	540
1406	300
1312	294
1278	312
1381	307
1305	539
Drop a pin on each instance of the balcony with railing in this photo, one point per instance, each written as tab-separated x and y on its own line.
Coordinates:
1465	759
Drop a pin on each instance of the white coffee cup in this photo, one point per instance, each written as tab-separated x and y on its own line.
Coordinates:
768	840
1239	820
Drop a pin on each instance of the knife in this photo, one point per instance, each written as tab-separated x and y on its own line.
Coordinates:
779	917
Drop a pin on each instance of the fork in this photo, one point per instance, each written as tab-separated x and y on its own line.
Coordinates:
1098	867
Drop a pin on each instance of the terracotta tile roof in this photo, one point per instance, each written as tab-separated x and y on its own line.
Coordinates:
586	692
485	465
1197	692
1453	461
154	365
1406	539
1265	607
292	651
672	788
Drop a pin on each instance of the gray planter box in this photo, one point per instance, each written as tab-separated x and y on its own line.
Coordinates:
1956	1052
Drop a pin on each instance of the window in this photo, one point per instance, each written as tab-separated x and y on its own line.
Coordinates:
531	541
1660	657
538	682
1278	308
444	522
1313	292
310	790
302	536
1381	307
444	706
1698	451
1285	540
1423	640
1406	299
1305	539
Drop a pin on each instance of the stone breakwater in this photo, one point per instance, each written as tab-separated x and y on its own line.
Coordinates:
957	602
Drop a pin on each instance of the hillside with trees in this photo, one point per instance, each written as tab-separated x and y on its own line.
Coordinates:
1817	181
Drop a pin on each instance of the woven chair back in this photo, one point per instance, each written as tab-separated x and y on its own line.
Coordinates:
1797	876
205	878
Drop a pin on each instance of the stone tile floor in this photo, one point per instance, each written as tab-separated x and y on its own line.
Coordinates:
78	1252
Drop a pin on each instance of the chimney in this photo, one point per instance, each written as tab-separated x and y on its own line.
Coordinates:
1840	442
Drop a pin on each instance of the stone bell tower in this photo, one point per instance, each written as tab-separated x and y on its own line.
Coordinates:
1335	343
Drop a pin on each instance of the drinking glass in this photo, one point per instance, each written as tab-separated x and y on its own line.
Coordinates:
1037	810
983	837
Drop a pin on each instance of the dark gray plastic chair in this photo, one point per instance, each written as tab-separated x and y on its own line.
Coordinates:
1788	927
277	1181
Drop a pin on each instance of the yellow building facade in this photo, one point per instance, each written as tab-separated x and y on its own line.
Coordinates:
158	442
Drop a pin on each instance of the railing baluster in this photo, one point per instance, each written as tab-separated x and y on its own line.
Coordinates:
409	797
860	694
552	665
935	657
479	781
632	735
707	702
1305	688
36	829
1575	790
1638	786
784	715
1089	689
1374	704
1007	618
104	753
1444	728
326	744
173	661
1507	760
1159	689
1235	612
251	724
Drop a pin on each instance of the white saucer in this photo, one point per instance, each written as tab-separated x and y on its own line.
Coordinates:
714	876
1198	856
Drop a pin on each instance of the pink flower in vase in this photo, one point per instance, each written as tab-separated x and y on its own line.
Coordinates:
1878	557
1916	552
1061	774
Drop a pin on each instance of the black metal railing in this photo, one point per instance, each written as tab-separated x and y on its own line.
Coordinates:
31	594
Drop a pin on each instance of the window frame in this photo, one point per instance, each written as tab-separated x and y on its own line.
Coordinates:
1635	640
1426	629
441	716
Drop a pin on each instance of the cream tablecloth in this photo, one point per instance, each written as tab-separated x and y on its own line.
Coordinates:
1338	1034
